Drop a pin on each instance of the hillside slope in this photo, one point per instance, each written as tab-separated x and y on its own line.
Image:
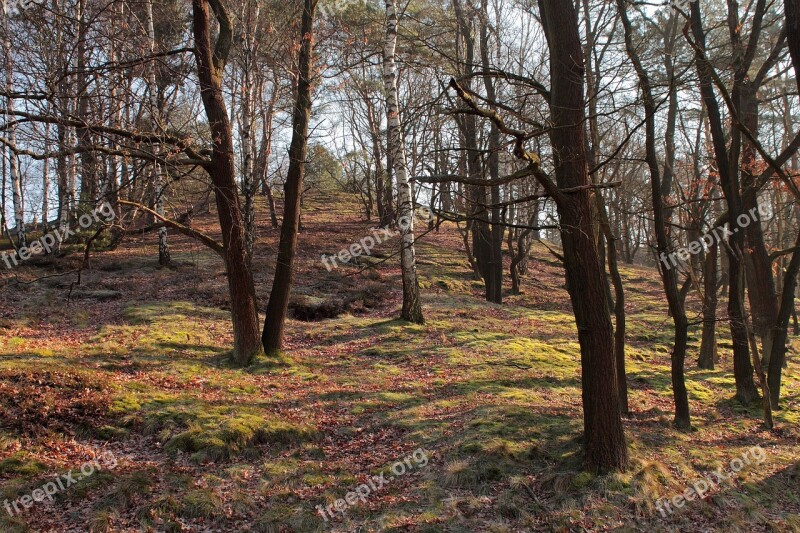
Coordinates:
483	402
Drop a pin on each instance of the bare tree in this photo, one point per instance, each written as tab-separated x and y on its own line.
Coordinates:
210	65
278	305
412	306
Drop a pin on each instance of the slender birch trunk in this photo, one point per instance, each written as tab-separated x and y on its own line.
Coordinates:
159	188
13	167
412	307
247	125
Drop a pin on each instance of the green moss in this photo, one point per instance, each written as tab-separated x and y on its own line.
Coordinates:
224	433
21	464
200	503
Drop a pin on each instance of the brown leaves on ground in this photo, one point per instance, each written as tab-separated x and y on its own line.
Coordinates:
39	403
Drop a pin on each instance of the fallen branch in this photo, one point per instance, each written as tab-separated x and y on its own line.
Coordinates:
189	232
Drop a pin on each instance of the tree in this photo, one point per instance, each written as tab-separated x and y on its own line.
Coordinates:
159	190
661	219
572	191
603	432
13	160
746	390
278	305
210	66
412	306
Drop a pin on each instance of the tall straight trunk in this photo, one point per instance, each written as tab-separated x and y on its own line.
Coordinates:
278	305
159	190
604	435
264	152
494	268
661	217
606	237
383	189
786	310
62	165
746	390
115	162
13	158
476	194
708	344
412	305
247	125
46	185
88	158
210	66
383	206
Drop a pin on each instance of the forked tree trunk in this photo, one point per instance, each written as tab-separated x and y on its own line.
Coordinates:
412	306
278	305
604	435
210	66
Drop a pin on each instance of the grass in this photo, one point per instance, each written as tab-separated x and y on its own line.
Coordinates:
492	393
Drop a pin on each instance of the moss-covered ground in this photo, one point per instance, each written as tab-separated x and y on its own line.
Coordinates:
490	392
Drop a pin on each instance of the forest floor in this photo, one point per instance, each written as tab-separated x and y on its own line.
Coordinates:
481	405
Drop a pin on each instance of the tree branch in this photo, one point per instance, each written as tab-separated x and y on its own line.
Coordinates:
189	232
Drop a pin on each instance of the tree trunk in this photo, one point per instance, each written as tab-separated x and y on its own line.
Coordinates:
159	190
250	179
746	390
278	305
781	331
264	152
661	219
604	435
16	177
412	306
210	66
786	309
88	158
476	194
708	344
494	267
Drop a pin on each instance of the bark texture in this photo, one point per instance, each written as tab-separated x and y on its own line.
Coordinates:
210	65
604	435
278	305
412	306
